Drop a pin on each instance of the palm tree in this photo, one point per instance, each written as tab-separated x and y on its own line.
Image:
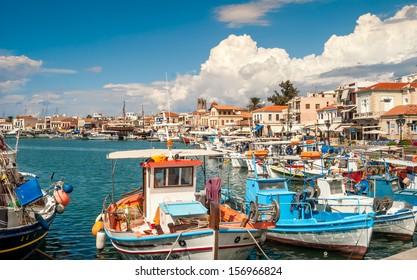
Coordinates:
254	103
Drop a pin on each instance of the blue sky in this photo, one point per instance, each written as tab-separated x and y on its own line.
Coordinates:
80	57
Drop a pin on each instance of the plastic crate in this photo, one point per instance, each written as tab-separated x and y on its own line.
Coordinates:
28	192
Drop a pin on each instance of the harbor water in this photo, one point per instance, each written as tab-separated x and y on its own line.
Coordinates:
83	164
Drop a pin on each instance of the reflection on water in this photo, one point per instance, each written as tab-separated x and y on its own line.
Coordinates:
84	165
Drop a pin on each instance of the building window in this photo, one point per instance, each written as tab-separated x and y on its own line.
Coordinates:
307	106
277	117
317	106
269	117
413	127
388	103
364	105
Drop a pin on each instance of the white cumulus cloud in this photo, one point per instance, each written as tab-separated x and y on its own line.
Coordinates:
238	69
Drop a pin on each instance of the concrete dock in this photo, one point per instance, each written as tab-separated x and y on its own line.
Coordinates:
407	255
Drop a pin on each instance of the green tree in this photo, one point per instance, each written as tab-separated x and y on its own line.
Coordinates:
254	103
288	91
9	118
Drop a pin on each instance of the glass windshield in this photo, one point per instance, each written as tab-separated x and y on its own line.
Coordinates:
271	186
173	176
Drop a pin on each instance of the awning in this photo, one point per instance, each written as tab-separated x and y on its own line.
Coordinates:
343	127
310	124
279	129
296	128
334	127
372	126
375	131
259	126
347	110
322	128
345	93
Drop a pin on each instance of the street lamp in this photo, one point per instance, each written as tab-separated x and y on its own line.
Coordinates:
327	123
400	122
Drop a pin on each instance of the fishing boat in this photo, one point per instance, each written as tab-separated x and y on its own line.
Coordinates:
392	217
294	168
26	210
300	223
168	219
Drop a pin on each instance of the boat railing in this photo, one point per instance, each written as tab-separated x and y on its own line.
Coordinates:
234	200
339	202
105	203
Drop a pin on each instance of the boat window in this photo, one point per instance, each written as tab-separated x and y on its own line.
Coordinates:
335	187
174	176
343	163
159	177
263	186
395	185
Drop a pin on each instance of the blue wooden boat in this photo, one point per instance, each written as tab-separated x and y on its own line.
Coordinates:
299	223
392	217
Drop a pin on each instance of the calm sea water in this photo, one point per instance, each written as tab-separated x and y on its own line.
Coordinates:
83	164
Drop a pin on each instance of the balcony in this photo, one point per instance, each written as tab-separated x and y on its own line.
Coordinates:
337	120
368	115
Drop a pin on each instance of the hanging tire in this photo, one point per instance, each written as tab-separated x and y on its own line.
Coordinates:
277	213
388	202
378	204
310	191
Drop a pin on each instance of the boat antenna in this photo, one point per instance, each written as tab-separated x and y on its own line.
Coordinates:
169	112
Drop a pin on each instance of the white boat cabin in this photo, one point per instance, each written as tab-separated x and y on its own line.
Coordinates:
170	182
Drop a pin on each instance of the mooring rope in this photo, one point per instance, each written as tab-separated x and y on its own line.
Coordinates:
257	244
172	248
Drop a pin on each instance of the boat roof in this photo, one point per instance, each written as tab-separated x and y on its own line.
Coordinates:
400	162
280	142
146	153
385	149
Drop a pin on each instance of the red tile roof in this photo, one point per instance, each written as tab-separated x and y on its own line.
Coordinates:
227	108
246	115
389	86
25	117
273	108
171	114
332	106
407	110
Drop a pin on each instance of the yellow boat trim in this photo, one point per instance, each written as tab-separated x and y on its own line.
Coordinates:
24	245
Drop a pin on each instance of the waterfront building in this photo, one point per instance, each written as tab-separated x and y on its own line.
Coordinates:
223	116
132	116
376	100
400	123
5	126
269	119
25	122
302	110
